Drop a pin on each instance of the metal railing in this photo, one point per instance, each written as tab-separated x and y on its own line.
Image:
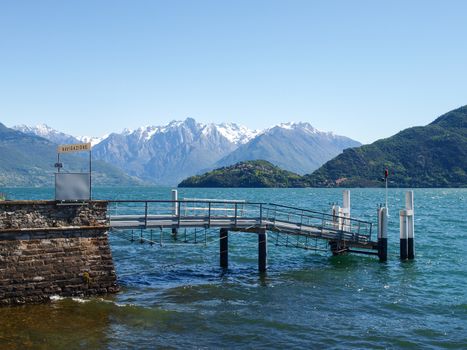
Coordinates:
238	214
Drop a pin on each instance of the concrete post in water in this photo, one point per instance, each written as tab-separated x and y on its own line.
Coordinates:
383	233
407	228
224	247
336	213
175	210
410	224
346	210
403	235
262	250
175	198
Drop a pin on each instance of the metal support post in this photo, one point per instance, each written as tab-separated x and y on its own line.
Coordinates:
224	248
383	233
262	250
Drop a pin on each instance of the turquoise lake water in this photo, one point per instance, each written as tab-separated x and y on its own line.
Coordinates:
176	295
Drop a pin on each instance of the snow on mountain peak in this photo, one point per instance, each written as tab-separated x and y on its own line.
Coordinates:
235	133
305	126
231	131
39	129
94	140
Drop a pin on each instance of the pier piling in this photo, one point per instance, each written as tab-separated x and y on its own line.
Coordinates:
403	235
345	211
262	250
224	248
336	212
175	211
383	233
410	224
407	250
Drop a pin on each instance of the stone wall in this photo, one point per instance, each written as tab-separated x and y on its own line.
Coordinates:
49	249
43	214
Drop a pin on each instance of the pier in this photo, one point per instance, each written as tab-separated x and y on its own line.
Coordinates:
61	247
146	221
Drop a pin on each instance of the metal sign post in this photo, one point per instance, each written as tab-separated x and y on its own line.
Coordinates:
73	186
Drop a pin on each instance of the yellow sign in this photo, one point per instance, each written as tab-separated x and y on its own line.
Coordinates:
77	147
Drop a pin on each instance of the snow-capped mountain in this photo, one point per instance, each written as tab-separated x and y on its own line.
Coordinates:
297	147
237	134
45	131
94	140
167	154
55	136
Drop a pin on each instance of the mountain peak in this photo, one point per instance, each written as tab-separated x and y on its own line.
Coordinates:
39	129
305	126
47	132
237	134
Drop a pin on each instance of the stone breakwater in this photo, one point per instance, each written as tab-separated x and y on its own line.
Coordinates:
47	249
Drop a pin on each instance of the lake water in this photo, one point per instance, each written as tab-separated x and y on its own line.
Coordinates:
176	296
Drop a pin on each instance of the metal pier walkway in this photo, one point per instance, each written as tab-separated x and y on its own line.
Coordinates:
343	234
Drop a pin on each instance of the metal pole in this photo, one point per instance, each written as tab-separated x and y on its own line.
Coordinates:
178	205
224	248
262	250
261	214
209	214
386	181
236	214
146	214
383	234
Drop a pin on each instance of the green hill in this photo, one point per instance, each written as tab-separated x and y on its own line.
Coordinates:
430	156
28	161
255	173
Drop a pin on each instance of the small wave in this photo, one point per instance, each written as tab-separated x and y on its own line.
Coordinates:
80	300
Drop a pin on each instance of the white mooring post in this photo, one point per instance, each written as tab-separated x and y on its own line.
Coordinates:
403	234
175	204
336	213
346	209
383	233
175	211
410	224
407	228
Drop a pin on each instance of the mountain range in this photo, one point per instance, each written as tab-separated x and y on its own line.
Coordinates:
165	155
297	147
28	161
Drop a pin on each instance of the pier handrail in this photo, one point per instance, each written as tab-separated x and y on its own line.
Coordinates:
261	204
223	202
318	212
264	213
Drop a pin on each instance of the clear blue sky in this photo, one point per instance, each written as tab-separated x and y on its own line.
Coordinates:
365	69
